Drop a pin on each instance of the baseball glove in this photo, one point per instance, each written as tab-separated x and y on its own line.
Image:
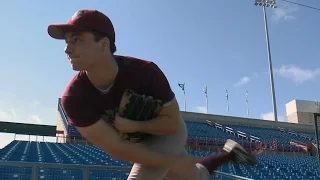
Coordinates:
138	108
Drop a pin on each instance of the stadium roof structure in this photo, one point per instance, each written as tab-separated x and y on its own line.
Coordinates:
28	129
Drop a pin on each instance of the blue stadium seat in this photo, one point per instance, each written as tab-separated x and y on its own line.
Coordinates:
269	166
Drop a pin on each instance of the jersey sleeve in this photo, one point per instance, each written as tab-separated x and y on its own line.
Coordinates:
159	86
78	111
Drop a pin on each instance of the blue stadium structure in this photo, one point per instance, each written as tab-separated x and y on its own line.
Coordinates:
285	151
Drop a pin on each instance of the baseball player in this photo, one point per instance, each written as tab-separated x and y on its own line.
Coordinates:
92	97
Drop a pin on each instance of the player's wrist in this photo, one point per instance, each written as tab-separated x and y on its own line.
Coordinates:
140	126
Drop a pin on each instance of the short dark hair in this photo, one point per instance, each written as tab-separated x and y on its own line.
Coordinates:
98	36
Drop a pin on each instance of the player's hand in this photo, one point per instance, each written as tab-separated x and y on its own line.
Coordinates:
125	125
124	136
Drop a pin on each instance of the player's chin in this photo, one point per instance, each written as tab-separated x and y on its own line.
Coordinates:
77	68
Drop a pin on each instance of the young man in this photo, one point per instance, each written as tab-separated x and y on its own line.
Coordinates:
91	98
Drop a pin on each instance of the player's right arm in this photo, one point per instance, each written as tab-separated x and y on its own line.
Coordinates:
88	122
106	137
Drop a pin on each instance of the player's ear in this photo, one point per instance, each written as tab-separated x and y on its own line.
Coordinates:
105	43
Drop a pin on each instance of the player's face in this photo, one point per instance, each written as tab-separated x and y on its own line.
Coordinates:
82	51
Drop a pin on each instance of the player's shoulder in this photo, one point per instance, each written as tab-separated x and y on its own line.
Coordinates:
77	86
134	63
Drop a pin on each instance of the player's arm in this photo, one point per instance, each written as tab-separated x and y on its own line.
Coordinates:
81	114
106	137
169	117
166	123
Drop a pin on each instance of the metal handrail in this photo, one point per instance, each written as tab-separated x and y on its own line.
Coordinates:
64	116
231	175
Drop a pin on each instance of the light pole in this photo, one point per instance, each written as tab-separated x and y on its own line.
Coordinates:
205	90
271	4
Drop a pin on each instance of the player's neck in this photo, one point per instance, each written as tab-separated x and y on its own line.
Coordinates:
103	75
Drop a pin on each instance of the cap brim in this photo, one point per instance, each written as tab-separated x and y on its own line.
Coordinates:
58	31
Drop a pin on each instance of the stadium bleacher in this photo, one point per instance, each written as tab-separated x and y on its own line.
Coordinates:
247	136
269	167
75	155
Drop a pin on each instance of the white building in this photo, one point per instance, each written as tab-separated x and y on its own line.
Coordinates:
301	111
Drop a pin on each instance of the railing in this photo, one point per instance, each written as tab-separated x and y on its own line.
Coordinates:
316	129
225	175
63	115
37	171
71	130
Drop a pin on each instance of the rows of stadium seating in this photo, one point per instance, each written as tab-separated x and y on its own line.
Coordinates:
269	167
203	130
265	135
215	136
218	134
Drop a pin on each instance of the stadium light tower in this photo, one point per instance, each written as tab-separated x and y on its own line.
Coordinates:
271	4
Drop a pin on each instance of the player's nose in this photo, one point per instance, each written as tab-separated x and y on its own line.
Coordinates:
68	50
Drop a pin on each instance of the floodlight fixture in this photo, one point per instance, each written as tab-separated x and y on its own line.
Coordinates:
266	3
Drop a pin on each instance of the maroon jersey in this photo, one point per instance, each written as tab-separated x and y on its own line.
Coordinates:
84	104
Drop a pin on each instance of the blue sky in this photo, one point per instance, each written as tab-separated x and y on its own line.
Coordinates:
218	43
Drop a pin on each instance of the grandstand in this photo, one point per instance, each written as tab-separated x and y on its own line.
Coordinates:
286	150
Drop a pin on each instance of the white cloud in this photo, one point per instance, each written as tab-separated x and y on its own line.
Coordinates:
34	119
200	109
10	116
35	103
14	115
297	74
284	11
270	117
4	115
244	80
255	75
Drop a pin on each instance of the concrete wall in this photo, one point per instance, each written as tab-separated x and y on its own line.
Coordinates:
191	116
305	118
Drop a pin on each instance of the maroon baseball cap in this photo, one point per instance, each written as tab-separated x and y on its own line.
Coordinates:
84	20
